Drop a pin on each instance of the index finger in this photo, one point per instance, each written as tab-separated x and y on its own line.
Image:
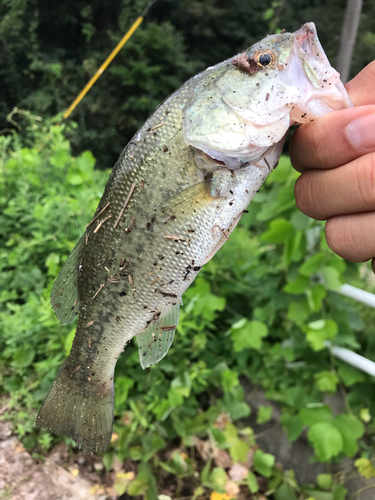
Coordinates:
339	137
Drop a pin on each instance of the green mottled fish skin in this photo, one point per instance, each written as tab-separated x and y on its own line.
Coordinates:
145	264
137	258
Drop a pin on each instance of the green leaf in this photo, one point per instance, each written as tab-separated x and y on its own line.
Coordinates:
264	414
351	429
23	357
292	425
218	479
122	386
252	482
318	495
285	492
365	467
300	220
318	292
229	380
320	331
108	460
249	336
239	451
298	312
263	463
68	342
140	484
312	265
122	481
326	440
298	286
326	381
136	452
268	14
339	492
332	278
324	481
279	230
239	409
350	375
311	416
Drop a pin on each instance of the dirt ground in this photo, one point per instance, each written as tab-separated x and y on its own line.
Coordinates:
59	477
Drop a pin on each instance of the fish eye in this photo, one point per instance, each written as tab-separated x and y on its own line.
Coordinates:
264	57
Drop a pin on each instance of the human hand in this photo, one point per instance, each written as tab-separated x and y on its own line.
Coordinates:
336	155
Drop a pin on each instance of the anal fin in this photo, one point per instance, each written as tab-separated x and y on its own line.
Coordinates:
155	341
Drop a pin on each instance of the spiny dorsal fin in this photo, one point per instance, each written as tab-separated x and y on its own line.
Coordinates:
155	341
64	295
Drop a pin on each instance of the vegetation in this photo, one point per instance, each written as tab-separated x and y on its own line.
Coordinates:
262	309
49	50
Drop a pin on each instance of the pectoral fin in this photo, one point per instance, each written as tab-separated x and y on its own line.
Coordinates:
155	341
64	295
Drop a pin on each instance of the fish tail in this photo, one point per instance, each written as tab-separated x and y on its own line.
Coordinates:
83	413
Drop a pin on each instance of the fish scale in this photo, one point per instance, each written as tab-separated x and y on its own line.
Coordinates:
173	198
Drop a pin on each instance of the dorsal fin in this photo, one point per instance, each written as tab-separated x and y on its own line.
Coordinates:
155	341
64	295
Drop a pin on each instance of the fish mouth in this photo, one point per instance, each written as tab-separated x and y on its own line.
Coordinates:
307	39
323	89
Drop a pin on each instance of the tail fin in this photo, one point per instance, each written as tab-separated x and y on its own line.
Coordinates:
83	413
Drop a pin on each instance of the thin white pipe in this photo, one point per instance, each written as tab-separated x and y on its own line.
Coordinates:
352	358
358	295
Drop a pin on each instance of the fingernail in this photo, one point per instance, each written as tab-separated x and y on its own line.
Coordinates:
361	132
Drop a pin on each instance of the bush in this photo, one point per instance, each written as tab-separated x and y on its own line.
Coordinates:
262	308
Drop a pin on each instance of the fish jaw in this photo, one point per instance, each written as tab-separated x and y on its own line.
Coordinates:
241	111
321	88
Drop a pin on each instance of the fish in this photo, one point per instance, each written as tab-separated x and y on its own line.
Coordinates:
173	198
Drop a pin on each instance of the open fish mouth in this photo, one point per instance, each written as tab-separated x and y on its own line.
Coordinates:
322	88
307	39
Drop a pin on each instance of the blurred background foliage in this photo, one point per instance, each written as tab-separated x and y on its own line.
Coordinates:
261	309
49	50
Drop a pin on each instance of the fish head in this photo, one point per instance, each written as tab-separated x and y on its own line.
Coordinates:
244	106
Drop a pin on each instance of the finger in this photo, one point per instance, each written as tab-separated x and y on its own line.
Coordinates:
324	143
352	236
361	88
349	189
334	139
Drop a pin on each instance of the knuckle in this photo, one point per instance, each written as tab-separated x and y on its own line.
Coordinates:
324	148
343	237
300	189
307	199
334	235
365	178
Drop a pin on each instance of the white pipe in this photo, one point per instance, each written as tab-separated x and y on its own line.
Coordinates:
358	295
352	358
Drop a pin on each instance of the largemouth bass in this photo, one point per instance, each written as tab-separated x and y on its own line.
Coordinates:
173	198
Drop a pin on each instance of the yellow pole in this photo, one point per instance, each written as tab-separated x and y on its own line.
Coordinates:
103	66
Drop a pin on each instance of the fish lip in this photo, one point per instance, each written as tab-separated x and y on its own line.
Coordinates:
307	39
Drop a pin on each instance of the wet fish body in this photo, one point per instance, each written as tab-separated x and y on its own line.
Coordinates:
173	198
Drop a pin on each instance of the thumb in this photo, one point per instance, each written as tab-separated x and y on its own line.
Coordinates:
361	88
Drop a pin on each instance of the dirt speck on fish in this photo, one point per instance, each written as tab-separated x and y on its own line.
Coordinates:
185	178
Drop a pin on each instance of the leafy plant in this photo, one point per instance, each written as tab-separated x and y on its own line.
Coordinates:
263	308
